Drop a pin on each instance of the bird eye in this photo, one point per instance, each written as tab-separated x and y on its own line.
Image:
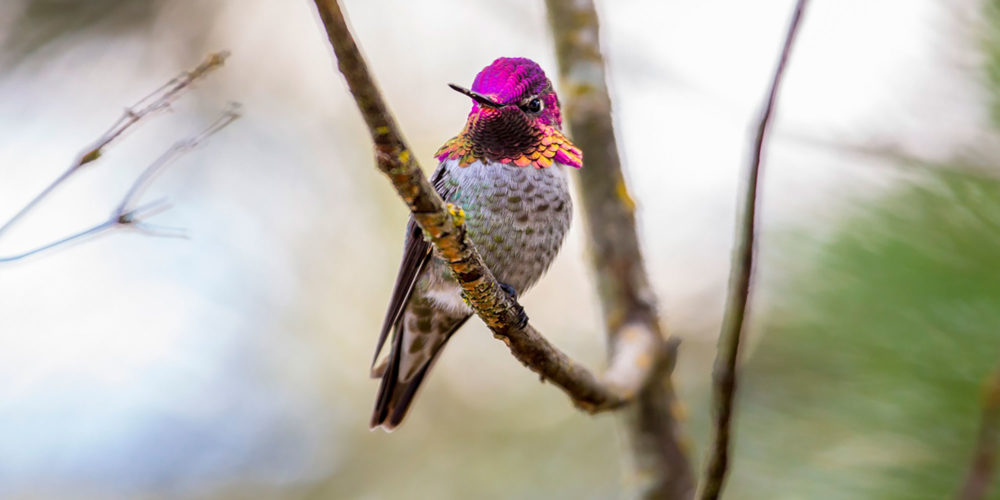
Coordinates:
533	106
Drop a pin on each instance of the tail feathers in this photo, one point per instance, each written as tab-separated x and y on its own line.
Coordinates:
379	370
394	395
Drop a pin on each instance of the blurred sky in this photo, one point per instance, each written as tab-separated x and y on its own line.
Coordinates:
137	366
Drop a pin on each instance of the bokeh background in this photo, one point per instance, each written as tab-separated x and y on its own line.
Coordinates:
233	364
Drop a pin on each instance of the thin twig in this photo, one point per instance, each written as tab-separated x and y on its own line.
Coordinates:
447	233
128	215
158	100
724	387
177	150
660	468
982	469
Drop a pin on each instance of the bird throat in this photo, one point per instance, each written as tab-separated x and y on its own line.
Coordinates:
506	135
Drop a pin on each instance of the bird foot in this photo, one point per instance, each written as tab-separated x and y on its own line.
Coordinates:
509	290
522	317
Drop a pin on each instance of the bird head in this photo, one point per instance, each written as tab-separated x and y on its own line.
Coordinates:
515	118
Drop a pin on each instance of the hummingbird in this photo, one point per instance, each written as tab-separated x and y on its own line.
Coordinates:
507	171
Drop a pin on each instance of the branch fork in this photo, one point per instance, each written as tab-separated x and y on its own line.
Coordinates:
126	214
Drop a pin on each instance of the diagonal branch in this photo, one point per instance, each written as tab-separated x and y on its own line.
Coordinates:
982	470
446	230
661	468
724	375
158	100
127	214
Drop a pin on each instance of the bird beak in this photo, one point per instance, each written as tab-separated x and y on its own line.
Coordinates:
476	96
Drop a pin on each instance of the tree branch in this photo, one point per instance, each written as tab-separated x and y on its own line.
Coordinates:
982	470
444	225
126	213
639	364
724	375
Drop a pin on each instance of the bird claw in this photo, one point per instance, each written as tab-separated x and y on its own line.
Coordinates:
509	290
522	317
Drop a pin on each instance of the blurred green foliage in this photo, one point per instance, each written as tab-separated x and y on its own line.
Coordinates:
991	49
867	381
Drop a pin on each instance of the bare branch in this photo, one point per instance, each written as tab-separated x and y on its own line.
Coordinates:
179	148
125	214
724	375
982	470
639	359
447	232
159	99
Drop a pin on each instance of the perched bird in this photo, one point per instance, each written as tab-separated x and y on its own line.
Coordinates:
507	171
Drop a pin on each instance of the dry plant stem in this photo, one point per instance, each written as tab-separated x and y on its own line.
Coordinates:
635	340
158	100
447	232
982	470
127	214
724	387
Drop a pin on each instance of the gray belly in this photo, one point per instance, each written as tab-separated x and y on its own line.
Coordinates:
516	216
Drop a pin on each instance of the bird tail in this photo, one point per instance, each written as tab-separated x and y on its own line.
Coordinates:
395	395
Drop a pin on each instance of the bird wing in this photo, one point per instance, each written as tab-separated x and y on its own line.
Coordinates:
416	253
